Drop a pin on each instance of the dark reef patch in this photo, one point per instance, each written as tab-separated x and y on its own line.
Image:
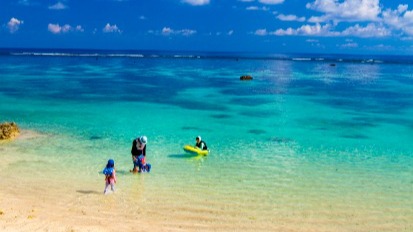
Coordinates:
220	116
354	136
281	140
95	137
257	131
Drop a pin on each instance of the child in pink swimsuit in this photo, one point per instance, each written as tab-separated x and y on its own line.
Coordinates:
110	175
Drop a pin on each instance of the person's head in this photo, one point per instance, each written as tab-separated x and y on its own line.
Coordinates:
198	139
143	139
111	163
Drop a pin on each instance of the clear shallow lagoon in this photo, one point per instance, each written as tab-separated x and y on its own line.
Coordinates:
305	146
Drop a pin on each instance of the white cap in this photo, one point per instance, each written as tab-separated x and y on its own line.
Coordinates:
143	139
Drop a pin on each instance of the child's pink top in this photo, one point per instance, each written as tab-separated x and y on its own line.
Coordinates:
112	178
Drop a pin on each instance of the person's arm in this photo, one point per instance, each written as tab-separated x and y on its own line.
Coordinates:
132	151
144	150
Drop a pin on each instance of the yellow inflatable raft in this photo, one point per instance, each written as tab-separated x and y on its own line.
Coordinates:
195	150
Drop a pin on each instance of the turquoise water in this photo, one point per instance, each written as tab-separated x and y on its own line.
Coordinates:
303	143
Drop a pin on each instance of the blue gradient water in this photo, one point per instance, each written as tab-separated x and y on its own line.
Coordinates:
306	144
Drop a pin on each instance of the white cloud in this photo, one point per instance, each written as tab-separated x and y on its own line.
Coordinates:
252	8
308	30
349	45
364	18
231	32
142	17
348	10
261	32
246	0
315	19
186	32
57	29
79	28
14	24
283	17
111	29
58	6
402	8
257	8
400	19
196	2
167	31
312	40
271	2
371	30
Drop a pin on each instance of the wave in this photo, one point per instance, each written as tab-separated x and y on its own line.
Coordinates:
301	59
330	58
120	55
75	54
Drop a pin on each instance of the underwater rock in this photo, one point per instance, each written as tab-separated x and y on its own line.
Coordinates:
281	140
257	131
246	78
95	137
9	130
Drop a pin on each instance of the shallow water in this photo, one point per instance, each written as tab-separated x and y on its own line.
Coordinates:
303	145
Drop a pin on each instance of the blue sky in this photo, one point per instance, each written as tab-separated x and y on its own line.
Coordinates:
276	26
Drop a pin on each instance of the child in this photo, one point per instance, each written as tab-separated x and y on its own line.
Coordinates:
110	175
142	165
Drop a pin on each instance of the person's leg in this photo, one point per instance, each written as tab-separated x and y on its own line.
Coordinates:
135	166
106	187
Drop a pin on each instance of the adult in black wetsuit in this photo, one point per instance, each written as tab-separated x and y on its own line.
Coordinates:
200	144
138	148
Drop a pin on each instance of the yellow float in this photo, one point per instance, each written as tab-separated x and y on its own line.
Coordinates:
195	150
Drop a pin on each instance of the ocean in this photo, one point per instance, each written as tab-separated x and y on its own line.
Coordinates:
313	143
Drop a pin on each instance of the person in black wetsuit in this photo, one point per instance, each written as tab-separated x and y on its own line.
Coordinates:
138	148
200	144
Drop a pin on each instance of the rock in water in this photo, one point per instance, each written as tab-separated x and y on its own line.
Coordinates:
9	130
246	78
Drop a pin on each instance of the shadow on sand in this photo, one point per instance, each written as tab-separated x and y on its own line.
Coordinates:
88	192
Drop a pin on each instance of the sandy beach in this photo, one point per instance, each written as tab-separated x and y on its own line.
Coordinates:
35	201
